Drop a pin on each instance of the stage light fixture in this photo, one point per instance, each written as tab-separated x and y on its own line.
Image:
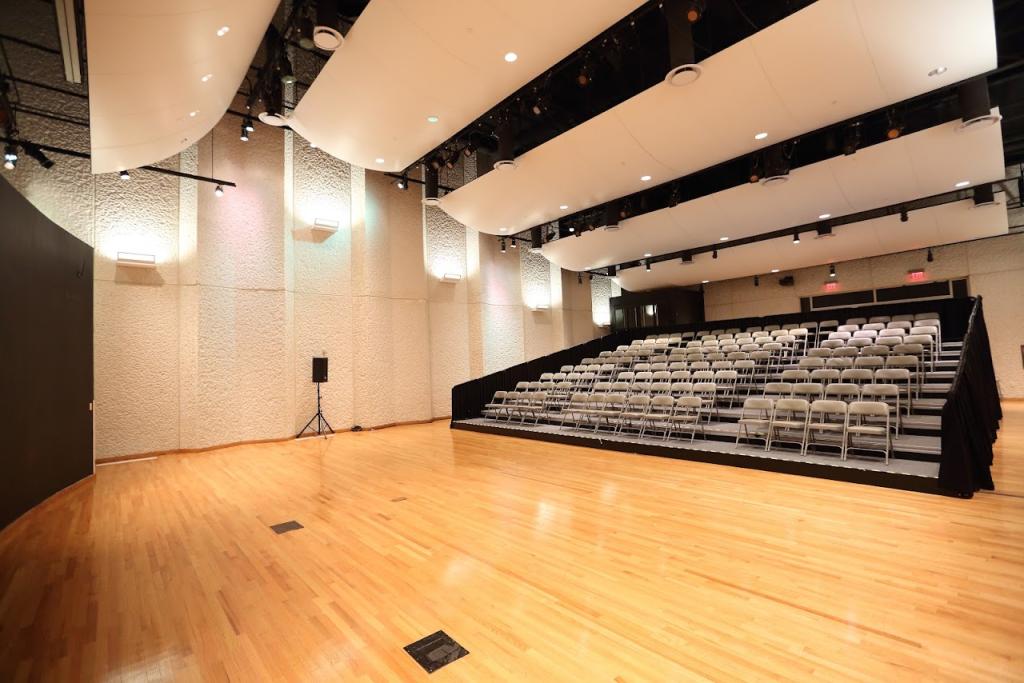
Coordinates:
501	243
431	195
931	256
579	278
975	108
244	134
506	160
10	156
515	243
218	191
33	151
687	259
305	30
851	138
124	175
832	270
326	35
673	198
904	216
536	240
284	66
984	196
680	16
647	266
714	253
248	124
757	281
796	238
612	213
894	124
823	230
403	182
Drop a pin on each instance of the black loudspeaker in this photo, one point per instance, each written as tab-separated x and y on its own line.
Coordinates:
319	370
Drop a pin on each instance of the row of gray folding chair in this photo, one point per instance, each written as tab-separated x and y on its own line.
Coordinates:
889	393
616	412
809	423
509	405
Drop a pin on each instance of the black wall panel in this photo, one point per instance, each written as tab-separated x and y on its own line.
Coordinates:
46	371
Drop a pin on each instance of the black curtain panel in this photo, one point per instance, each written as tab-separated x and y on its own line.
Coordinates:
971	415
46	369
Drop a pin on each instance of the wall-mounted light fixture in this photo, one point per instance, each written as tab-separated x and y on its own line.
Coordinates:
132	260
325	225
450	277
540	306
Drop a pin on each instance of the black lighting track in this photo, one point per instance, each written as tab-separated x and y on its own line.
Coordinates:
622	61
913	115
815	228
86	155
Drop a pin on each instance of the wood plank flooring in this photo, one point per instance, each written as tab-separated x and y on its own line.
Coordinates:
547	562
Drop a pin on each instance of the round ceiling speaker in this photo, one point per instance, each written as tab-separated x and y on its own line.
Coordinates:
979	122
613	226
327	38
504	164
773	180
431	201
683	75
273	119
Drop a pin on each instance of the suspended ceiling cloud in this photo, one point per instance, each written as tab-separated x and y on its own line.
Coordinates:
923	164
148	99
828	62
406	60
935	225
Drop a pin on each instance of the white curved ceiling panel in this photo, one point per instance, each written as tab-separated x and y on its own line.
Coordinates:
922	164
405	60
831	61
936	225
147	61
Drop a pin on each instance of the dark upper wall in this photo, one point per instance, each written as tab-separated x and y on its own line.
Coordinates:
46	374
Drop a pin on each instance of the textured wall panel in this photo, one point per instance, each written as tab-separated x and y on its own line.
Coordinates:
535	272
501	336
322	188
600	295
372	346
410	389
240	243
136	368
449	353
243	367
323	325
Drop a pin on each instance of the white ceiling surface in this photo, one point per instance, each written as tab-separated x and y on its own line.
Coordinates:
828	62
146	63
936	225
923	164
405	60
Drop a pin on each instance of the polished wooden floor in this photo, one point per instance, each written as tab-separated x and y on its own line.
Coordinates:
546	562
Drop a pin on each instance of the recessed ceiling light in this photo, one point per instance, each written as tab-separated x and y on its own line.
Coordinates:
645	178
824	216
937	71
207	77
761	136
563	207
647	255
511	57
963	183
222	31
775	270
502	229
312	145
723	238
704	282
432	119
193	113
379	160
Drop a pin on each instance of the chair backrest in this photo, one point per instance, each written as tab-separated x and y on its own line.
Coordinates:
872	327
825	375
902	361
889	341
715	355
868	362
791	407
899	325
875	350
726	377
808	390
661	376
662	404
718	332
810	325
721	365
679	375
923	339
642	367
865	334
892	375
926	316
771	328
522	386
840	335
827	408
846	352
760	334
849	327
842	390
704	388
828	323
933	331
856	321
546	376
725	335
855	375
927	322
703	375
869	409
729	348
689	404
744	365
737	355
565	368
644	376
620	387
677	365
833	344
733	330
638	401
756	405
840	362
859	342
778	389
602	387
700	365
626	376
499	397
879	319
883	390
660	387
558	377
811	362
909	349
796	375
681	388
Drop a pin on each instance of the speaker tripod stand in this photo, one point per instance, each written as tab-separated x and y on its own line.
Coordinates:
319	418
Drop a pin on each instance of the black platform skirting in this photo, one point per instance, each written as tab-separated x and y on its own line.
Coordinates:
890	480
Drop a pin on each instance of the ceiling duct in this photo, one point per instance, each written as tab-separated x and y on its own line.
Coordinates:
506	159
679	18
326	35
776	166
975	108
430	190
612	213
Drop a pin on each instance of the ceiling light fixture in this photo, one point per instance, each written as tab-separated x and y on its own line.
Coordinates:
975	107
824	216
823	230
223	31
511	57
704	282
326	35
931	256
937	71
962	183
563	207
645	178
894	124
904	216
506	160
775	270
432	119
431	196
647	266
714	254
723	238
403	182
832	270
248	124
244	135
124	175
218	191
193	113
796	237
761	136
648	255
501	243
379	160
206	78
687	258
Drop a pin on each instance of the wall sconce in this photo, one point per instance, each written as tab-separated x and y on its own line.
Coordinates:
325	225
540	306
133	260
450	277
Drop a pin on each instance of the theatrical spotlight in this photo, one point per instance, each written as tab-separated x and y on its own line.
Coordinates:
687	259
124	175
832	270
536	240
506	148
851	138
515	243
244	135
37	154
904	216
647	265
894	124
431	195
796	237
10	157
248	125
218	191
501	243
714	253
579	278
403	182
823	229
931	256
757	281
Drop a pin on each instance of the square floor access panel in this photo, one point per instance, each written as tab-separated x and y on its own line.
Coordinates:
436	650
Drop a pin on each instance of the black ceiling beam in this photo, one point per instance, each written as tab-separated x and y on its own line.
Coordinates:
916	114
805	228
